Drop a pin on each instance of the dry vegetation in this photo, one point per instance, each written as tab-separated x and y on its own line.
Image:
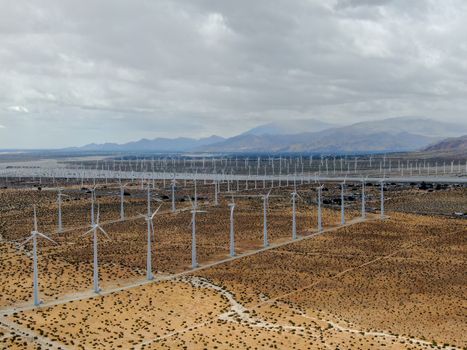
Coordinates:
394	284
123	258
436	200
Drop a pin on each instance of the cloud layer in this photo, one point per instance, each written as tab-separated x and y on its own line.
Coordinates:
77	72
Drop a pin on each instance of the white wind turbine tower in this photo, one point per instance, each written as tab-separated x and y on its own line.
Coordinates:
342	203
363	198
265	219
95	226
59	200
174	183
33	237
122	205
194	210
382	199
232	231
320	224
216	199
294	222
149	220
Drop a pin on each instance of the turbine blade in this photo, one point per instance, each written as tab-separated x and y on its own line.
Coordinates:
44	236
191	202
102	230
154	214
26	241
87	232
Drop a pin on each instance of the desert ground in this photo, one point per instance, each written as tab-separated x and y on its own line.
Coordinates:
397	283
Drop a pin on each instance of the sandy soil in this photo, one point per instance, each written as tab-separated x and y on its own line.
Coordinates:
395	284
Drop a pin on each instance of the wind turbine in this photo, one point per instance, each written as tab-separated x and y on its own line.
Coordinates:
33	237
216	200
342	202
265	207
174	182
294	223
363	198
95	226
149	217
122	196
265	219
382	199
232	232
59	200
194	210
320	225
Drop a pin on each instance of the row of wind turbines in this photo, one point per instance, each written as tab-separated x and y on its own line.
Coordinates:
96	228
279	168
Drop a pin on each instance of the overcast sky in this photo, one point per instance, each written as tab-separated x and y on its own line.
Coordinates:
75	72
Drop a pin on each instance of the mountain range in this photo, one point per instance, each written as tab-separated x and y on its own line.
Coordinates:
160	144
387	135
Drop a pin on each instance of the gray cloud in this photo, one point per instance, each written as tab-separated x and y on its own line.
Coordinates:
115	70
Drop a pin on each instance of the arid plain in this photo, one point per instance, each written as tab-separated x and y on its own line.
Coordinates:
397	283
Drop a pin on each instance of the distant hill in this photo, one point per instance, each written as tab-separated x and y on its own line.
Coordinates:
180	144
289	127
453	144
